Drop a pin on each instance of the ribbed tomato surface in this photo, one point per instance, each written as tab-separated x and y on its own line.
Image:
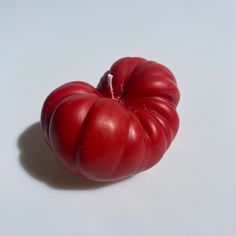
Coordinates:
118	129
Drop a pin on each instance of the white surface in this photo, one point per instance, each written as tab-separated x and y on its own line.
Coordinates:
192	191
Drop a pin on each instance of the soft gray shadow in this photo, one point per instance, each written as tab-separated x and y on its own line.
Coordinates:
38	160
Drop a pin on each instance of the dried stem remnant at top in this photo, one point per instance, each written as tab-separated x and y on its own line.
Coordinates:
110	77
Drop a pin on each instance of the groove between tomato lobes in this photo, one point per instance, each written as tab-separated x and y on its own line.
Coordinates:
57	96
108	139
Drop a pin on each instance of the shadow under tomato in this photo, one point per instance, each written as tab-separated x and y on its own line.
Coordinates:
38	160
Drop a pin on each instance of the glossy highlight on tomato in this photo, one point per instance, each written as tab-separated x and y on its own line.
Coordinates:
122	127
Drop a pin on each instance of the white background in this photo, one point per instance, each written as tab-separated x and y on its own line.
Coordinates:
44	44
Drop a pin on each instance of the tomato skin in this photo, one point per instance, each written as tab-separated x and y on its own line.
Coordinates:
122	127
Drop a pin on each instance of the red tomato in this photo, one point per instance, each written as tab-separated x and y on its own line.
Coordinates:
122	127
